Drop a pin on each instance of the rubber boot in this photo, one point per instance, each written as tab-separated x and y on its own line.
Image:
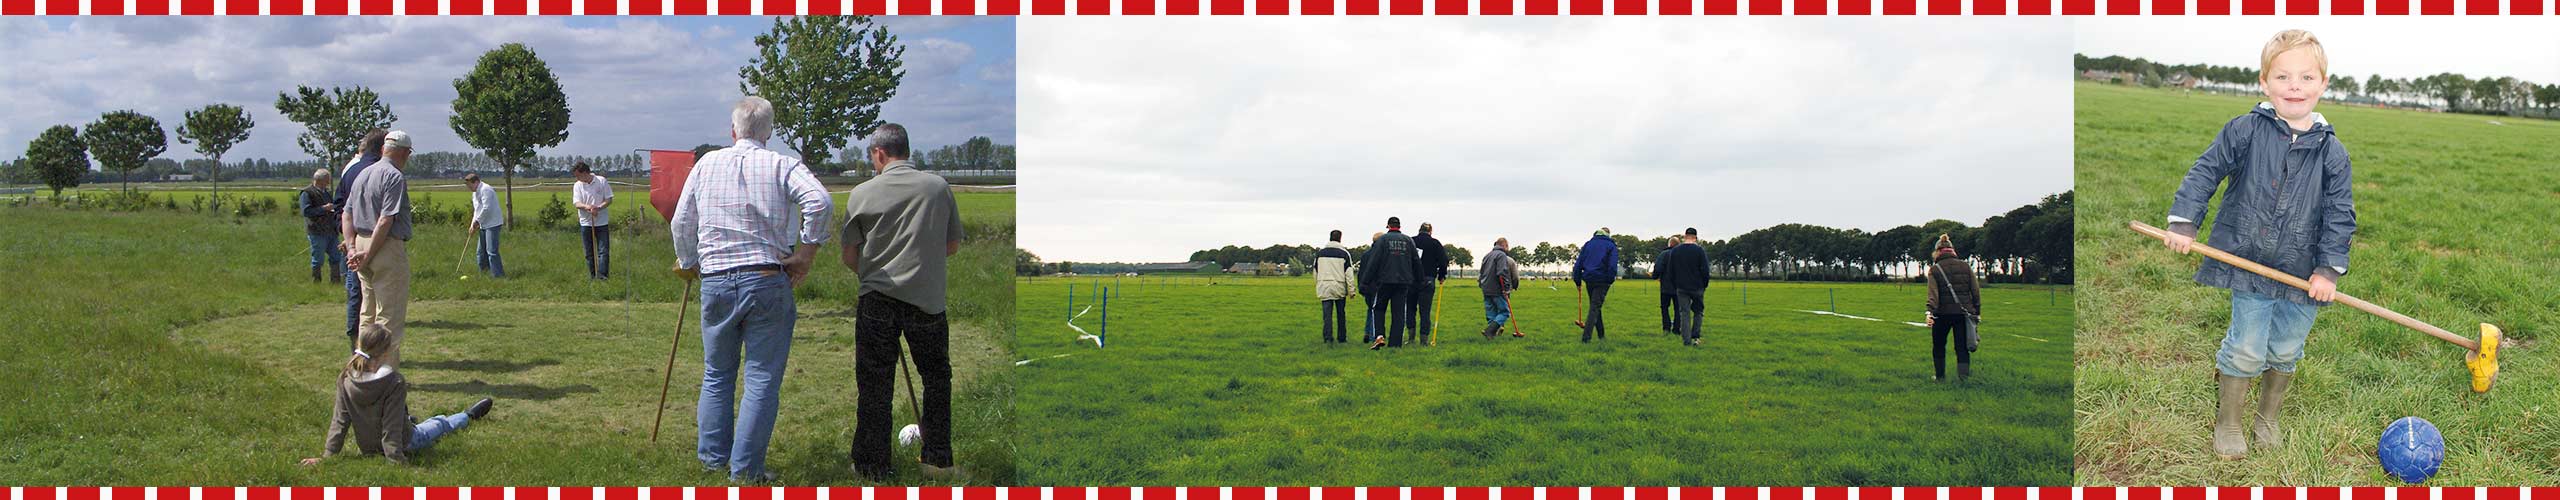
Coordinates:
2271	389
315	274
1964	371
2227	439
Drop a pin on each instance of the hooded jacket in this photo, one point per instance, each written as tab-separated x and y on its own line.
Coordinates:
2290	205
1392	260
1435	259
1499	275
1333	273
1598	262
375	407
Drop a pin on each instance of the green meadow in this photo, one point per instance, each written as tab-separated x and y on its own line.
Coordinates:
2453	227
1226	381
176	347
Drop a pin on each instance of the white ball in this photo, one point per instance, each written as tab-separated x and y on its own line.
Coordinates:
908	435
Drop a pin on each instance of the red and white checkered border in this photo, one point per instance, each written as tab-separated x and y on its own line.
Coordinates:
1285	7
1272	493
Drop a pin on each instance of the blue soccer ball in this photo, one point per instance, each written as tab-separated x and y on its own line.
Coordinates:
2411	449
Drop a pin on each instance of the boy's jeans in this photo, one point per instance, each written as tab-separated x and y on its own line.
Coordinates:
751	314
426	433
2266	333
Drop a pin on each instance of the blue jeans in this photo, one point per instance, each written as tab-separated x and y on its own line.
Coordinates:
749	314
489	261
598	241
355	304
2266	333
324	249
1497	310
427	432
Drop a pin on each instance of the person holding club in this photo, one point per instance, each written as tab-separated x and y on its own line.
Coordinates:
1390	269
748	225
2290	207
594	198
1434	269
1497	276
1596	269
379	214
486	221
1333	287
901	228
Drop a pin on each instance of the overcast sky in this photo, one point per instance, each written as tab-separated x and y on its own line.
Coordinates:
1150	139
632	82
2395	46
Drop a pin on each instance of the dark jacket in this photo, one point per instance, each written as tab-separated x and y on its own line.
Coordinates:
1499	275
348	178
1598	262
1662	269
1958	280
1435	258
376	411
1392	260
2291	204
1684	268
317	220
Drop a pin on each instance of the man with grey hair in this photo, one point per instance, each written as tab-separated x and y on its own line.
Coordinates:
901	228
378	212
320	226
748	225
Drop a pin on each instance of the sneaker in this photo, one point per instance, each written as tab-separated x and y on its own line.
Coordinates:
480	410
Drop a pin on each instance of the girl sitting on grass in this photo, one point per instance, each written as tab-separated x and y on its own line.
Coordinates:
373	402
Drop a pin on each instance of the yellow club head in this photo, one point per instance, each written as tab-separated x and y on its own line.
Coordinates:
2484	362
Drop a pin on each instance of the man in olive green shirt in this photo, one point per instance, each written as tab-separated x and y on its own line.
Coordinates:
900	230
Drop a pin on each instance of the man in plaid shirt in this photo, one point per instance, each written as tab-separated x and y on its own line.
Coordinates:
736	230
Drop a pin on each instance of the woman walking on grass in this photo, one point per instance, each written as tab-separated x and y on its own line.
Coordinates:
1955	305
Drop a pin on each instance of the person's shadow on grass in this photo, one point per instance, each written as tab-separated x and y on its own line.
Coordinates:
485	365
518	392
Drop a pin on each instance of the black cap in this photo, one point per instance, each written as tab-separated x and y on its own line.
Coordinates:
1394	222
1692	232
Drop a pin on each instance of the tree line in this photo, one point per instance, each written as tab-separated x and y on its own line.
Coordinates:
2028	244
2504	95
826	77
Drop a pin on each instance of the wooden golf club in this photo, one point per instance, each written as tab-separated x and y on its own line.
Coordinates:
1435	310
1581	305
2482	361
672	345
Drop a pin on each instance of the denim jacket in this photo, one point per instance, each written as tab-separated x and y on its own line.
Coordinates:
2290	206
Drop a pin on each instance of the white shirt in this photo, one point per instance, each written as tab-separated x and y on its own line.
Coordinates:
595	192
747	205
484	208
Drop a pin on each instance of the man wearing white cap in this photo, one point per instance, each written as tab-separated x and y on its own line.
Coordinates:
378	212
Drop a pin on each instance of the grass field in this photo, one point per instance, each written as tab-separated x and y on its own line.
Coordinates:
1229	384
2453	215
161	347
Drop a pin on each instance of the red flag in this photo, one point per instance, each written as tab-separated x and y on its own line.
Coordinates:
667	171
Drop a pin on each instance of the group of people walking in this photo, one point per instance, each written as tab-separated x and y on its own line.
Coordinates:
1398	278
1398	275
748	227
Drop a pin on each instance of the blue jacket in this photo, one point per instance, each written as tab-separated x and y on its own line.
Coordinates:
2290	206
1598	262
